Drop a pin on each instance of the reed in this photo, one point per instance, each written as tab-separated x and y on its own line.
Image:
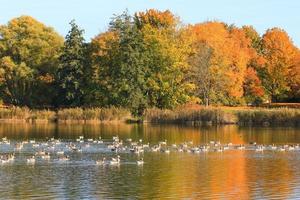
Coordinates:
199	116
25	114
63	115
223	115
70	114
15	113
44	115
269	117
114	113
93	114
194	116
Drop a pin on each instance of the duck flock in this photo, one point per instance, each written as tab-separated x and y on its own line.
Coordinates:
61	150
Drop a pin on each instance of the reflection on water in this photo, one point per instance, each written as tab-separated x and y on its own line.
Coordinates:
154	133
212	175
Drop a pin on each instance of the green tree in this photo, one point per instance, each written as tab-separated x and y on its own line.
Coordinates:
167	50
70	76
29	53
140	63
130	72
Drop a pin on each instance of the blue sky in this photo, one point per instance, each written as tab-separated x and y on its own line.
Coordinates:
94	15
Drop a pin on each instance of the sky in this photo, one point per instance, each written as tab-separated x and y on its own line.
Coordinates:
94	15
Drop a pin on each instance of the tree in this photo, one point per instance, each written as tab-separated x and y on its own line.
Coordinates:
15	79
29	53
70	76
280	54
138	64
200	72
294	80
230	56
168	49
255	38
120	72
253	89
156	19
104	50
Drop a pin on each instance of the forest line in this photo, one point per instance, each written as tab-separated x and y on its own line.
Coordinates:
146	60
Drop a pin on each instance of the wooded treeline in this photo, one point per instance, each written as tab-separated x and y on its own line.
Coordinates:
146	60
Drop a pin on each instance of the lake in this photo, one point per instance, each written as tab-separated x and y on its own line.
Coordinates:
230	174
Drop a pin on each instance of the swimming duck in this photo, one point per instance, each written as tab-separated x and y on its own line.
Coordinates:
140	162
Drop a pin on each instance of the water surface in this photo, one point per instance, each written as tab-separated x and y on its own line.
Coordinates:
231	174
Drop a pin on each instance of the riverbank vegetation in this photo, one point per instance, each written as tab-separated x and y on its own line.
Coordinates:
142	62
221	116
72	115
242	116
266	117
93	114
24	114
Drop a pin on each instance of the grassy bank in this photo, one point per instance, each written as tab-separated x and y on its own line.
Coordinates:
242	116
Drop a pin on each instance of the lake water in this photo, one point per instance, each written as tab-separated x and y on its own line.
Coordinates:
232	174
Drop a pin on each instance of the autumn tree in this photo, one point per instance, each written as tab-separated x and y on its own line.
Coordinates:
228	64
157	19
140	62
200	73
167	50
254	92
104	49
280	54
29	53
253	89
149	59
294	80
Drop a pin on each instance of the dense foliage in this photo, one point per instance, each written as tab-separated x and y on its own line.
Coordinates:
146	60
29	54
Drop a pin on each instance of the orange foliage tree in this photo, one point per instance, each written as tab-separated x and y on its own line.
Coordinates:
230	56
294	79
253	90
280	54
